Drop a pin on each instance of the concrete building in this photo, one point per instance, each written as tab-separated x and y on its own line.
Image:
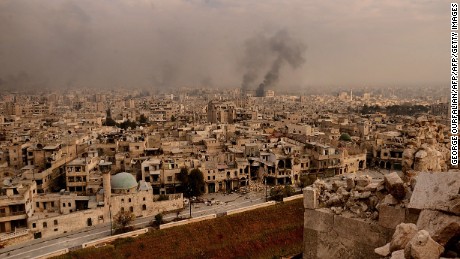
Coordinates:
221	112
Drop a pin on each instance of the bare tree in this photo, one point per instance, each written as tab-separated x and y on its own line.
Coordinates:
122	221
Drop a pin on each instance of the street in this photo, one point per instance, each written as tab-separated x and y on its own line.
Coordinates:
38	247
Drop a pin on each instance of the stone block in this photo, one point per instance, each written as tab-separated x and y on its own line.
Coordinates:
372	187
390	216
363	232
337	184
390	200
399	254
395	185
318	220
350	182
363	180
310	240
422	246
441	226
310	200
403	234
383	250
436	191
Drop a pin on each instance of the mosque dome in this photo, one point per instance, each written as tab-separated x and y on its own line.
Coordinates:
123	181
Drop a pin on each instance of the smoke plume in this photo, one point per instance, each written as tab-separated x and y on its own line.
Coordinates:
281	48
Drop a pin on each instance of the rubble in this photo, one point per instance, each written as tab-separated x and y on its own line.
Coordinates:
389	200
437	232
395	185
363	180
398	254
427	157
422	246
360	196
441	226
253	187
403	234
408	242
350	182
384	250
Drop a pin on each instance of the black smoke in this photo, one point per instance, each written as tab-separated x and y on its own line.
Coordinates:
281	48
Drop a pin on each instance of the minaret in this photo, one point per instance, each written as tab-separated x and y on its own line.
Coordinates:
351	95
107	187
105	169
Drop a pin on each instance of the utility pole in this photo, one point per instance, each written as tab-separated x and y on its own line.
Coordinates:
266	197
110	215
190	205
189	189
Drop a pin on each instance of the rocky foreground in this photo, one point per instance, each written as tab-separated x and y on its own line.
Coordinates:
423	209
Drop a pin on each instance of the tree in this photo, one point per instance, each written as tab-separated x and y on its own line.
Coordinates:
109	121
143	119
276	193
183	176
193	181
108	113
127	124
345	137
173	118
305	181
279	192
196	182
159	219
288	191
122	220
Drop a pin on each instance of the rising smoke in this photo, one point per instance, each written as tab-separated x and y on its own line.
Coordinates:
281	48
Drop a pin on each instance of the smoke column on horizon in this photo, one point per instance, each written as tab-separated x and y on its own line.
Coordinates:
282	48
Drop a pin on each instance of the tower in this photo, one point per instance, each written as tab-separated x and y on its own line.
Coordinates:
105	169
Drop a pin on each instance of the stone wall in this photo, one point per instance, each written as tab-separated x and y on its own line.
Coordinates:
333	236
164	206
18	239
61	224
86	218
351	216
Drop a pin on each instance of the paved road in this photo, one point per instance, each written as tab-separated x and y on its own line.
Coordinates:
38	247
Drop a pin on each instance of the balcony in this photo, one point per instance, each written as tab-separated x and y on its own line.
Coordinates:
81	173
13	216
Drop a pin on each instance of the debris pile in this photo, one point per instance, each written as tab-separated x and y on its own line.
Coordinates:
253	187
426	157
437	232
409	242
361	196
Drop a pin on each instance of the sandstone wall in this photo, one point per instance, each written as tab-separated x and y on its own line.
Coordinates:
351	216
51	226
333	236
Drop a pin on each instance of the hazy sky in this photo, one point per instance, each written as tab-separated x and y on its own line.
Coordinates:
161	44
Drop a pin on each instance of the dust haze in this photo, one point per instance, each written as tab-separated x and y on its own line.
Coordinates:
166	44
